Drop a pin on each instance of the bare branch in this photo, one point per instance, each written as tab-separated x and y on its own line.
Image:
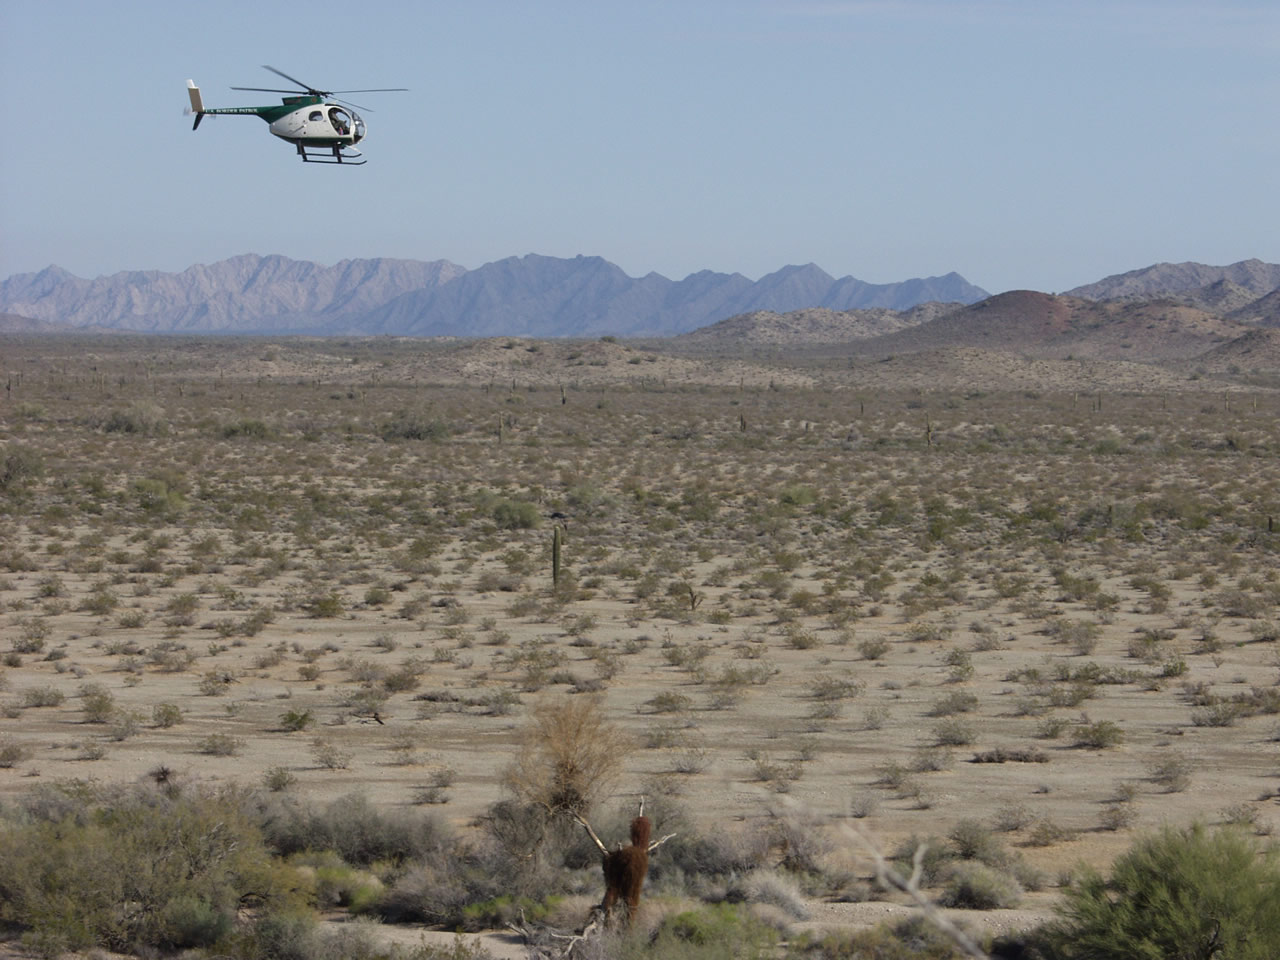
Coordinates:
657	843
592	834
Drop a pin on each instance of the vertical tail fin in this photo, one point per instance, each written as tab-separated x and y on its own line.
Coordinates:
197	102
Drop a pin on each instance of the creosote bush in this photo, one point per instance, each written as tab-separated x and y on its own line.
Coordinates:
128	871
1176	893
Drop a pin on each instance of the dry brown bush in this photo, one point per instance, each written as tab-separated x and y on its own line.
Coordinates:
570	755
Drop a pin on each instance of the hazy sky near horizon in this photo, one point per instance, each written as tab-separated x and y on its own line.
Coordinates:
1023	144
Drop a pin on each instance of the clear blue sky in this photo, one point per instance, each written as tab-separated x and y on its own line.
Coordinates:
1023	143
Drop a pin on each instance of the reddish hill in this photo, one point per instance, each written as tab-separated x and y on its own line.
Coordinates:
1044	325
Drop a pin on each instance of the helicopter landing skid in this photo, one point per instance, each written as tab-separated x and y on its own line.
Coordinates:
349	156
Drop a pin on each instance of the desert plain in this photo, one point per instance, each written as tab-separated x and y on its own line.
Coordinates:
835	606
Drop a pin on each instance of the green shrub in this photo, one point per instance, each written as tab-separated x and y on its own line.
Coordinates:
1099	736
722	931
295	720
1176	893
515	515
976	886
412	426
277	779
220	745
359	832
182	866
166	715
325	604
97	702
12	753
973	840
18	467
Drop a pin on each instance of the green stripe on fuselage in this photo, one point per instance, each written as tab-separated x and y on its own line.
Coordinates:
270	114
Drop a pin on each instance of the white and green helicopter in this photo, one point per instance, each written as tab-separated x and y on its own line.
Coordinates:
324	130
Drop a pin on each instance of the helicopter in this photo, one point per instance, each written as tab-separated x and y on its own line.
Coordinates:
323	130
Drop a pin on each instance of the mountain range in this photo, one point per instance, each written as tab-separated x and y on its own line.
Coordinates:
1220	317
533	295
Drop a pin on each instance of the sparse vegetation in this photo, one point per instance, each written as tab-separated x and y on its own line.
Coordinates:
786	589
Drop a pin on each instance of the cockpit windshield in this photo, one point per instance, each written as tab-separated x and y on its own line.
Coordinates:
341	121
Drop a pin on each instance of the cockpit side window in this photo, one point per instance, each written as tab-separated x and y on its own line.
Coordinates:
341	122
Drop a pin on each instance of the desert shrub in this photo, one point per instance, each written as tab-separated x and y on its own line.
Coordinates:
18	467
278	778
873	648
1046	833
1099	736
45	696
1011	755
181	864
718	932
914	938
931	759
97	702
355	829
250	427
166	715
1118	816
668	702
570	755
954	732
975	886
953	703
329	755
515	515
324	604
295	720
1223	713
972	840
773	887
938	854
1011	817
834	688
407	425
220	745
1176	893
1050	728
1173	772
125	724
12	753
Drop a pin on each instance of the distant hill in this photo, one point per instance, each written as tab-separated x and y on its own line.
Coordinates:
1023	322
1257	349
1167	279
816	325
1265	311
529	296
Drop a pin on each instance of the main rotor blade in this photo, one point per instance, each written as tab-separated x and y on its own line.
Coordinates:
375	90
306	87
268	90
354	106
